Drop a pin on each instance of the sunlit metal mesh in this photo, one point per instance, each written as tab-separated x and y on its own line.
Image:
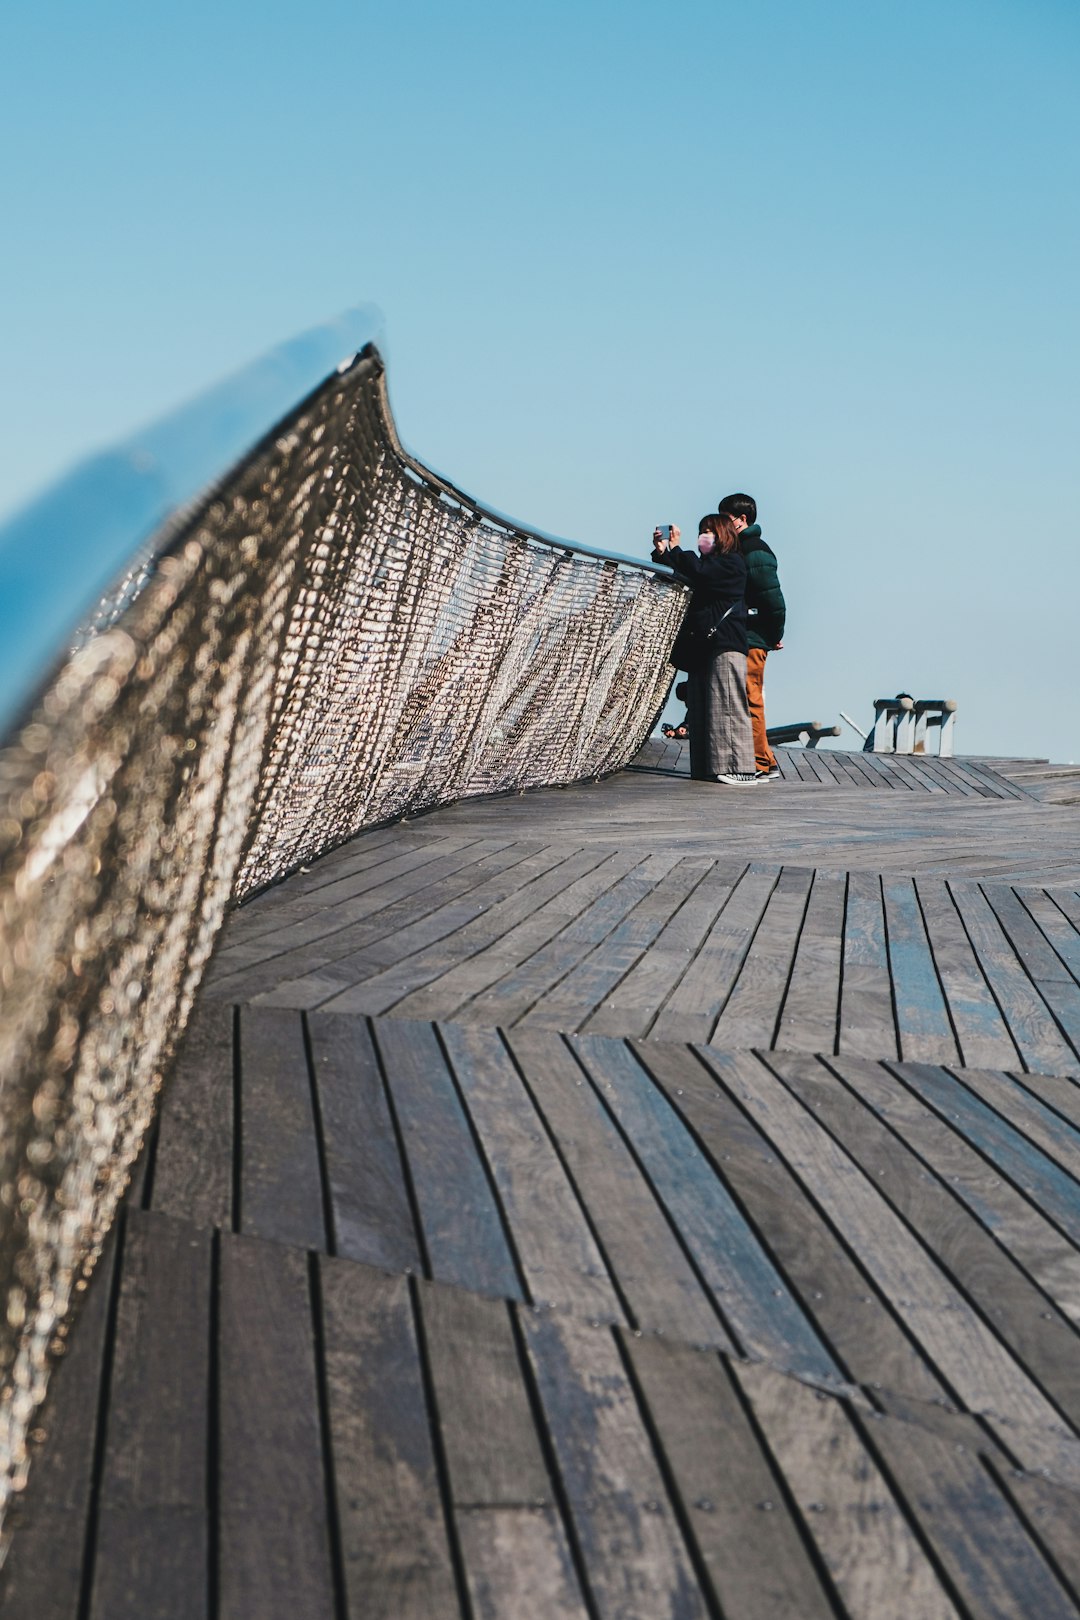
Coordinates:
333	639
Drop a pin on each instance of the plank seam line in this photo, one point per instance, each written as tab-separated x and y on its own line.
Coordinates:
101	1429
213	1432
419	866
322	1386
485	1165
937	974
938	1262
680	1508
442	1464
1031	1529
570	922
976	954
999	1171
956	1071
547	1447
406	1167
329	1225
572	1182
662	1008
774	1034
645	948
691	1261
774	1260
237	1167
813	1551
750	943
864	1431
1069	977
840	976
482	944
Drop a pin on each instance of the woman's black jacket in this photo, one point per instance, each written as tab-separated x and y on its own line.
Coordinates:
718	580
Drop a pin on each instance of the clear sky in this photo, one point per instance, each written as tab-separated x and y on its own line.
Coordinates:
631	256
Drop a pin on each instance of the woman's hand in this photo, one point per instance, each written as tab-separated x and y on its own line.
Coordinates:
661	542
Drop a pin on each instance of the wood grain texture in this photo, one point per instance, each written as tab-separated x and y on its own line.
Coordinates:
394	1539
464	1238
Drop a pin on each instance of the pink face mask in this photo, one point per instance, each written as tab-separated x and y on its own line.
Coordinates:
705	543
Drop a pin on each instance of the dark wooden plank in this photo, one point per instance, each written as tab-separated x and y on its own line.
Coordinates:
394	1544
1040	1044
1016	1224
633	1004
158	1416
810	1013
193	1165
151	1563
371	1214
867	1025
281	1190
989	1557
413	984
301	921
1055	1136
752	1294
643	1255
921	1016
1055	927
556	1249
274	1557
463	1234
862	1534
626	1526
839	1293
493	1453
1060	1091
572	1003
313	975
356	928
517	1563
982	1032
970	1358
511	996
1049	1187
43	1572
1053	1517
698	999
1041	1338
535	952
752	1011
756	1561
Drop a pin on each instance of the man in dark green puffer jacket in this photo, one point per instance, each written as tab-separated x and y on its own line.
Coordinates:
765	626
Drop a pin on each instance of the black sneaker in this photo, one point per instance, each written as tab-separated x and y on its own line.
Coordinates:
771	775
737	778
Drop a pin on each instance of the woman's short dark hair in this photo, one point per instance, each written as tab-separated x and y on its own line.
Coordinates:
723	531
743	506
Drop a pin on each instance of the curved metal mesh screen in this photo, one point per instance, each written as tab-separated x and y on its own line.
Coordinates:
330	641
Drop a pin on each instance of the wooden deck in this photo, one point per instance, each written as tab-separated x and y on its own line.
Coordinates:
643	1199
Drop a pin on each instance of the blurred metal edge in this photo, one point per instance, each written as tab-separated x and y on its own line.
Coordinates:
62	552
66	548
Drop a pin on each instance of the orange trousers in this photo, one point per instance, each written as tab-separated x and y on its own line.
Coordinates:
755	677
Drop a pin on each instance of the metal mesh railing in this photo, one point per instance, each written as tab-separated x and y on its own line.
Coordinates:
333	638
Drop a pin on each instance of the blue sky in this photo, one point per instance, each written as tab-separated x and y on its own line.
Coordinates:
630	256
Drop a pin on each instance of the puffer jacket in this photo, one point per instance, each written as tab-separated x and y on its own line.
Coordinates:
765	626
718	581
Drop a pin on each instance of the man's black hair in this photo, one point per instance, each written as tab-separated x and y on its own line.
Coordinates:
743	506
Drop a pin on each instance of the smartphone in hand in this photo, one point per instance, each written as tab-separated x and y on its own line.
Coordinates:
663	532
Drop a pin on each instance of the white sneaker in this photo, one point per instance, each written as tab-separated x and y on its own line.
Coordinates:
737	778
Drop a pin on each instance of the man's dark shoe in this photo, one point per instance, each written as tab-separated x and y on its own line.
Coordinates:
771	775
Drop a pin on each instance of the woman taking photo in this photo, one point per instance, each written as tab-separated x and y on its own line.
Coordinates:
711	647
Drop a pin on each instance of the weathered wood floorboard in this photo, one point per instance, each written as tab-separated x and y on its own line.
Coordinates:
716	1252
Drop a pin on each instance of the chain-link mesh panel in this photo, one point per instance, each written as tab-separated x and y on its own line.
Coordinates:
330	641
